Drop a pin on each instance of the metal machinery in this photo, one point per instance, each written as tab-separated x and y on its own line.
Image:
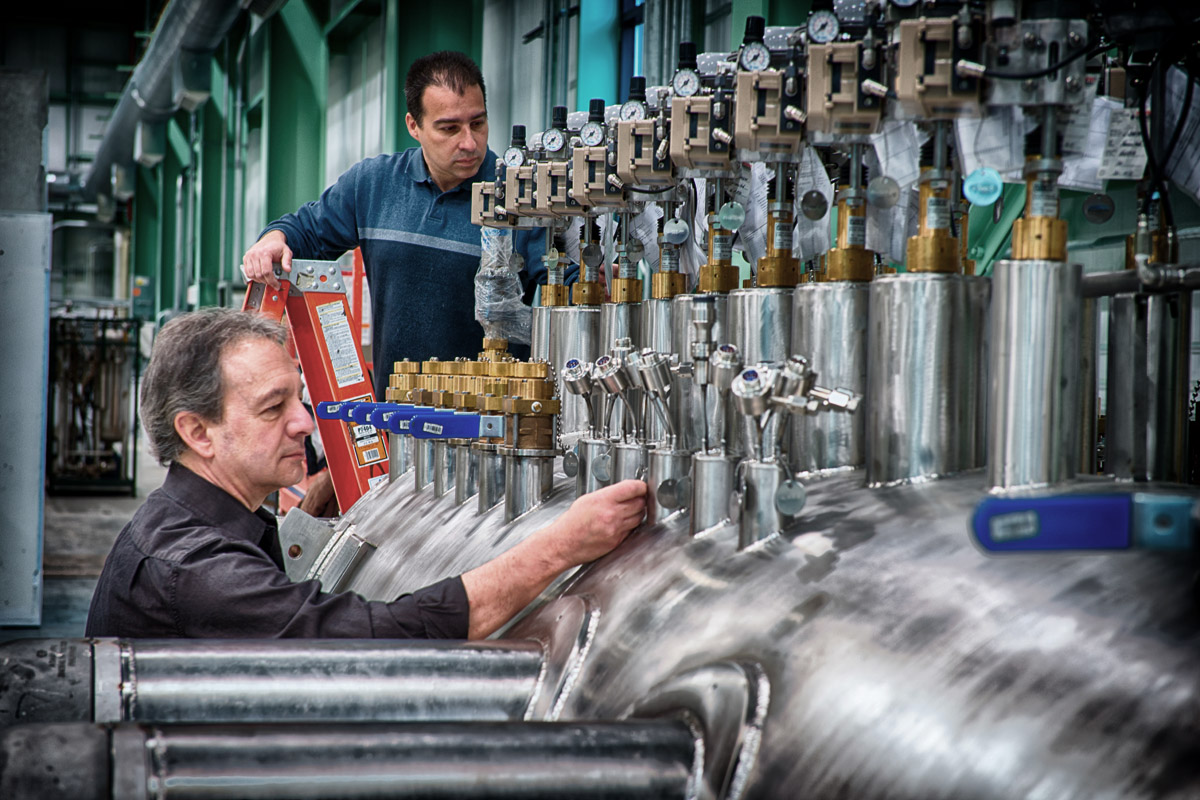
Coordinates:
876	561
92	419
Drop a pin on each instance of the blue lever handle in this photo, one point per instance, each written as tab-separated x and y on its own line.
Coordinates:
383	411
456	426
1086	522
400	421
336	409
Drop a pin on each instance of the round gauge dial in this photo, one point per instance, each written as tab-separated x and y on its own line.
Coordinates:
685	83
591	134
633	110
755	57
553	140
514	157
823	27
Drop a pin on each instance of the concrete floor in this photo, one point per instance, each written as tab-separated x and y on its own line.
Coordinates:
79	531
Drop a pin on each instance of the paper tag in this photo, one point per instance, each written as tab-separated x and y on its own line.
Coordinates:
339	341
1124	157
856	231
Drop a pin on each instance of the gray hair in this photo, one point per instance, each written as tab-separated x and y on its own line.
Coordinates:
185	371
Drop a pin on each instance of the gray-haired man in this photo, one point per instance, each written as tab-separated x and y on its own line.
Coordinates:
221	406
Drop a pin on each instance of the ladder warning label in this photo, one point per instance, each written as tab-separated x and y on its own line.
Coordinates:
343	357
367	444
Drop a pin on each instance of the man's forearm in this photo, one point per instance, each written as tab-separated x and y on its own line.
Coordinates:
502	587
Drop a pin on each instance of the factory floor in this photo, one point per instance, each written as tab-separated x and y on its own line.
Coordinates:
79	531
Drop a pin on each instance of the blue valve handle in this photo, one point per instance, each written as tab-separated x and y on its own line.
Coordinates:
337	409
1141	520
398	421
383	411
456	425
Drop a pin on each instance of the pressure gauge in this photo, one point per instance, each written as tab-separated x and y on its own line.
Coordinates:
553	140
591	134
514	157
633	110
756	57
685	83
823	26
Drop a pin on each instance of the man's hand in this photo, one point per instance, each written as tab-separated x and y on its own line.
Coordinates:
258	264
590	528
319	500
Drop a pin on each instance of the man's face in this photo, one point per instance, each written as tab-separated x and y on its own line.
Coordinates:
453	133
258	447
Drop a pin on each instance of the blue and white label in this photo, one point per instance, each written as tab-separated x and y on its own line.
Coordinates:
983	187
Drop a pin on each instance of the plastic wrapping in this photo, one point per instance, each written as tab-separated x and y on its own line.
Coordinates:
499	307
752	194
811	237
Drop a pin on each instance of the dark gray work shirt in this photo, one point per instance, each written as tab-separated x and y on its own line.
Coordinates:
194	562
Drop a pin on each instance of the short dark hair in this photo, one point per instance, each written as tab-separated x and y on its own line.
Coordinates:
448	68
185	371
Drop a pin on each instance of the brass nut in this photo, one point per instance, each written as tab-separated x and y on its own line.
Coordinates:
1040	238
777	271
933	254
405	367
626	290
665	285
555	295
494	343
718	278
521	405
850	265
588	294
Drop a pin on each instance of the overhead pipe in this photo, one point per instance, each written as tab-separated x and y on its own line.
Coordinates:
193	27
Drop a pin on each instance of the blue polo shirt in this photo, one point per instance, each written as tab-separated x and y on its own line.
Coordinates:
420	250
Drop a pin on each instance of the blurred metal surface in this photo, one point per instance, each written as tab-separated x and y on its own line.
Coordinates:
760	323
576	335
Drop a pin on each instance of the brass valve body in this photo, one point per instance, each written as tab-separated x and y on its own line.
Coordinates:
1041	238
626	290
933	249
850	260
555	294
665	285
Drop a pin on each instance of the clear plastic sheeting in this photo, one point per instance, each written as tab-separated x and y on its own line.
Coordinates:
811	237
499	307
752	194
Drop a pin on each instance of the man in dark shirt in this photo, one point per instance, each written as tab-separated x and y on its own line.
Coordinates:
221	406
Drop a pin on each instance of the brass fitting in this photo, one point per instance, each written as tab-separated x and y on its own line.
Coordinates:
555	294
933	249
665	285
1039	233
778	267
850	260
626	290
587	293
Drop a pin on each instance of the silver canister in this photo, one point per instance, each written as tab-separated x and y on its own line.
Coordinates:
574	333
760	323
758	515
925	376
629	461
1146	428
540	335
620	321
466	471
657	332
712	491
1088	387
665	467
443	467
829	328
595	465
528	479
422	462
1033	419
686	402
400	455
491	476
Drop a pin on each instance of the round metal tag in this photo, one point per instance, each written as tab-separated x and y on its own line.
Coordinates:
732	215
883	192
571	464
983	186
676	231
1098	208
592	255
602	468
814	205
790	498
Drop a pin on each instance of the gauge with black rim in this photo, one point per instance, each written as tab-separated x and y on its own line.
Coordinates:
514	157
823	27
591	134
685	83
755	57
553	140
633	110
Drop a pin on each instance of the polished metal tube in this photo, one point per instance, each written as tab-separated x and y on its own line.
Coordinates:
1088	387
925	376
423	462
528	479
663	465
829	327
491	476
758	516
1146	421
760	323
595	465
466	472
712	491
540	334
619	321
400	455
443	467
574	333
629	461
685	402
629	759
315	680
1033	421
657	325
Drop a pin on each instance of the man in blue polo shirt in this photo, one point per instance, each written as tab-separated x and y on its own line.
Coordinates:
411	214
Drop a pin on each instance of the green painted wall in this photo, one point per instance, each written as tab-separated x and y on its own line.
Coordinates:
600	41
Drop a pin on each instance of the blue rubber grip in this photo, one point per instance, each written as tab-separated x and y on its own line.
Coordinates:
360	412
445	426
1066	522
335	409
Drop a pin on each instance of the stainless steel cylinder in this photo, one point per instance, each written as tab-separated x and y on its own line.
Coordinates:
400	455
491	476
829	328
629	461
664	465
712	491
423	463
540	334
925	376
657	326
685	404
1147	410
443	467
760	323
466	472
1088	386
595	465
758	517
620	320
574	333
528	479
1033	420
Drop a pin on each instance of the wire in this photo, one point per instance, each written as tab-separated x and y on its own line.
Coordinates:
1041	73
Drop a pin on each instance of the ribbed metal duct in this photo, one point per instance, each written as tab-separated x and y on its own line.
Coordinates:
185	26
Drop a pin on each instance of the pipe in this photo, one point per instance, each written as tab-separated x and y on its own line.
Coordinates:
194	25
